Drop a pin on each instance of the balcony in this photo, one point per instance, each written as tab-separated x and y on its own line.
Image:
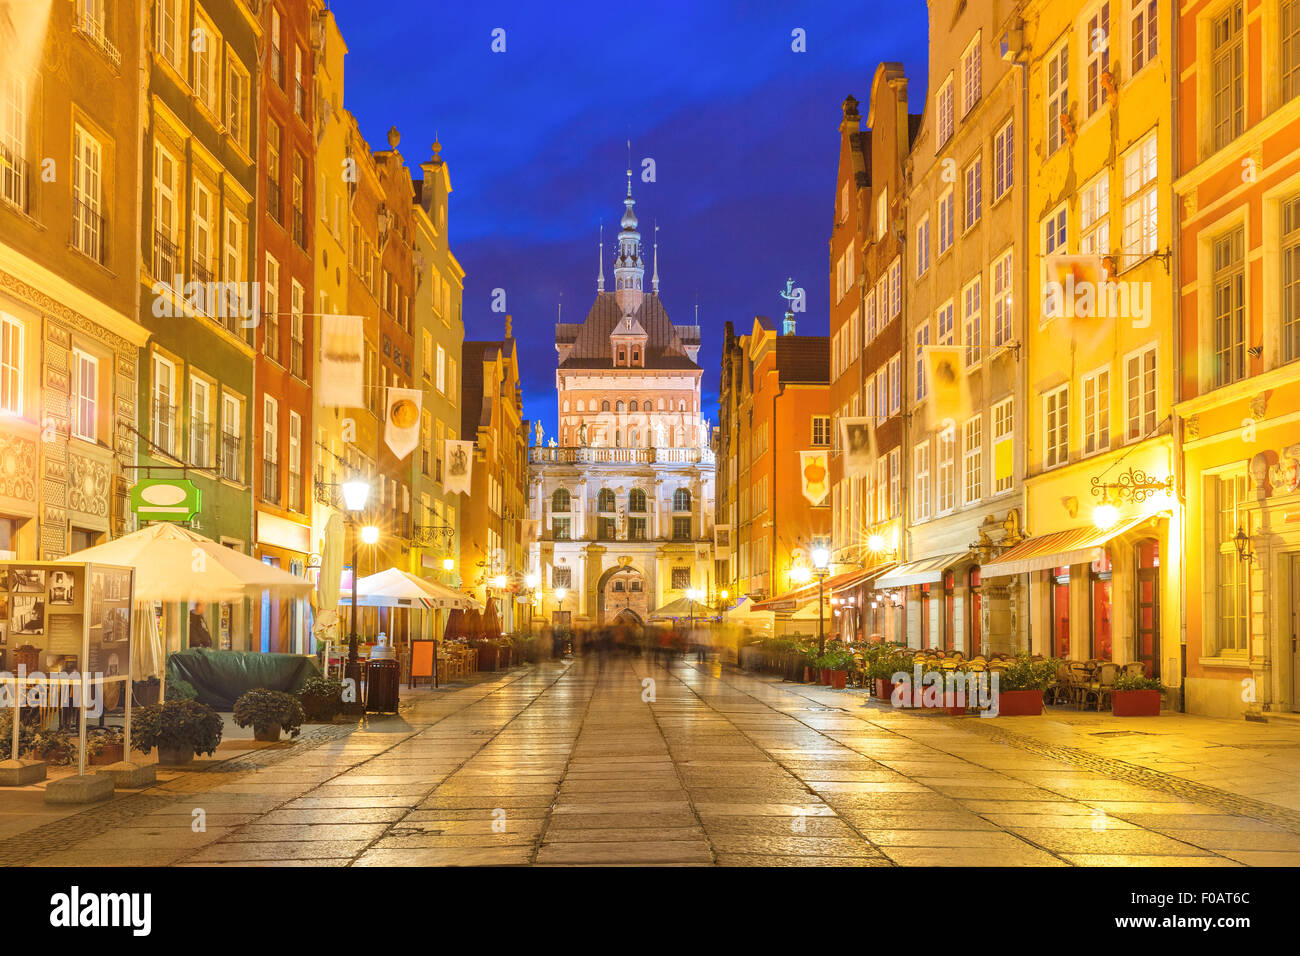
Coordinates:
299	227
14	179
232	457
93	30
201	271
296	357
271	482
87	230
166	257
164	427
273	199
619	456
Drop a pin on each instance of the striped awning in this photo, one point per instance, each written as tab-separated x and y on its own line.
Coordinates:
793	600
925	571
1076	546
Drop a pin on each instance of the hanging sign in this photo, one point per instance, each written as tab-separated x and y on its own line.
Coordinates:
165	499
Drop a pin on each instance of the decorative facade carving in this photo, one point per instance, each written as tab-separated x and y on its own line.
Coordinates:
17	467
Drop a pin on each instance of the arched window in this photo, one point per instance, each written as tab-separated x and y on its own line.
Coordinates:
605	500
681	405
632	406
682	499
604	406
661	404
580	408
633	437
566	404
619	407
561	500
636	500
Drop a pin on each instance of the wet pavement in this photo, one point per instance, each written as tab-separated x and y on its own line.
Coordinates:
622	761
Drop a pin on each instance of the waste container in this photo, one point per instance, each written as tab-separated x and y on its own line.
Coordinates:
381	686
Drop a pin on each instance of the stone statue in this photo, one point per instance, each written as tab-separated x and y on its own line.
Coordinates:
539	435
659	434
582	434
551	443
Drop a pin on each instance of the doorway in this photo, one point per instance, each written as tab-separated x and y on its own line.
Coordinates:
1146	617
1294	578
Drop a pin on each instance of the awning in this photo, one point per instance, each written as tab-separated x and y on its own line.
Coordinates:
792	600
1076	546
925	571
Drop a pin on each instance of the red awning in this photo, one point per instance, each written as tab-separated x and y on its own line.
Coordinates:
793	600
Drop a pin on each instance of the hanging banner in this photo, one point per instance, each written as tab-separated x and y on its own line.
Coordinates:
949	396
402	420
341	383
858	439
459	464
1076	287
814	476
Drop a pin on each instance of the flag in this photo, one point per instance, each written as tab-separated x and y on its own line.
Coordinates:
459	465
858	442
402	420
1071	285
945	369
814	476
341	383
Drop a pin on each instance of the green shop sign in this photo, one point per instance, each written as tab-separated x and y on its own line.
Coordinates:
166	499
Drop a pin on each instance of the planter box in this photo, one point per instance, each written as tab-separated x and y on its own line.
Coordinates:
175	756
112	753
1020	703
883	689
267	734
825	676
839	679
1135	703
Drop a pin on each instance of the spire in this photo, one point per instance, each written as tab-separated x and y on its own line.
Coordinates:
654	280
629	267
600	276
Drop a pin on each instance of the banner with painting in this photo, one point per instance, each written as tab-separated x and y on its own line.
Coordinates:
815	475
458	466
341	383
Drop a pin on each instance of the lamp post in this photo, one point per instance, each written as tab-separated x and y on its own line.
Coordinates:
355	493
821	565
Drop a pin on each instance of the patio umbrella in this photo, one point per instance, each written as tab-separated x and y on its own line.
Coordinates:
491	627
744	615
682	607
174	564
455	628
473	627
331	563
146	650
397	588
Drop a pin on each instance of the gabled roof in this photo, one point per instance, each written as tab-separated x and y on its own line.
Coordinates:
666	343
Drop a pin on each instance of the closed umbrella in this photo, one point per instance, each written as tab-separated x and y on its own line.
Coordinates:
491	626
146	649
331	563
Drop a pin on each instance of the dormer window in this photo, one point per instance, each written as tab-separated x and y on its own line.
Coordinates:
622	356
636	357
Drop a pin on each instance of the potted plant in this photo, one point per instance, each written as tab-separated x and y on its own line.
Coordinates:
178	689
104	746
885	663
321	699
811	670
269	712
1136	695
837	662
178	728
55	747
1021	686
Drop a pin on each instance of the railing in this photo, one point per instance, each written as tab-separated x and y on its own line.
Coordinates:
166	256
299	99
232	460
271	481
14	179
273	199
200	445
299	227
87	230
635	456
293	500
164	427
93	30
200	271
295	357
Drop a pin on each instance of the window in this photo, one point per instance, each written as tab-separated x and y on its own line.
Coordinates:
237	101
234	259
943	114
1054	232
895	288
561	528
232	430
923	242
169	23
13	141
945	221
294	502
1228	110
1140	204
681	529
973	459
1057	78
85	403
922	343
974	199
1097	58
271	310
166	263
971	297
882	219
970	76
296	344
270	449
164	405
682	499
946	491
1289	27
1290	310
1140	394
605	501
299	91
944	320
273	135
681	579
206	43
1003	445
561	500
1229	308
1056	424
636	500
921	481
1094	217
200	416
11	365
1096	411
87	195
299	225
821	430
1004	159
562	577
1229	496
1143	34
1001	299
895	384
277	56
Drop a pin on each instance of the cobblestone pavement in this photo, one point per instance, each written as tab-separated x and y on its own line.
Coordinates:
587	763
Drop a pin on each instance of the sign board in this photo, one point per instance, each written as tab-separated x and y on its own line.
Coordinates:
166	499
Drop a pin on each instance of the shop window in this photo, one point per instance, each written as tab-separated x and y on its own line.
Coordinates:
1059	583
949	612
975	604
1099	578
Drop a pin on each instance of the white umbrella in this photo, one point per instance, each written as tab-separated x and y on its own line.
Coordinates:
147	658
331	565
744	614
174	564
398	588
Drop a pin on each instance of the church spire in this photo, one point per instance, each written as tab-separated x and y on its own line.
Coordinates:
629	267
654	280
600	276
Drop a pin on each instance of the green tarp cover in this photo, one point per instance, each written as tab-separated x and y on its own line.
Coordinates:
222	677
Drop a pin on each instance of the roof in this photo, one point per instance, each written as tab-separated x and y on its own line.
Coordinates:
666	343
476	401
804	358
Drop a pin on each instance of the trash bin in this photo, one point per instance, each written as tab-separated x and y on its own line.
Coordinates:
381	686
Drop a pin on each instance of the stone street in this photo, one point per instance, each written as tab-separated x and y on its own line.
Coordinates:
625	762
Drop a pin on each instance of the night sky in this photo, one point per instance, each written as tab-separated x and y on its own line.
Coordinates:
743	132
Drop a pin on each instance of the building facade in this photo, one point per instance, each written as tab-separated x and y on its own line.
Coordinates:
624	501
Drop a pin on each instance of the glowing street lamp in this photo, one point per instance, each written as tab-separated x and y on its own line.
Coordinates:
1105	515
821	565
448	564
370	534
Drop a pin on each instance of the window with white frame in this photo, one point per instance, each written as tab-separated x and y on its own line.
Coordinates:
294	497
970	76
923	243
237	99
944	114
1056	427
895	384
1289	61
1057	96
1140	202
206	45
1144	37
1229	307
297	360
895	287
1096	58
946	204
1229	494
882	396
869	396
946	486
821	429
1140	394
11	365
164	405
270	449
972	334
1054	232
1004	159
1290	274
1227	76
895	482
14	178
839	277
271	309
87	194
973	460
233	269
921	481
440	377
202	242
232	431
1094	217
882	213
944	321
169	24
85	395
1095	389
880	490
1001	299
922	343
1004	434
871	315
974	196
200	422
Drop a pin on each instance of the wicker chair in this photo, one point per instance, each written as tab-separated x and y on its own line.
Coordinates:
1098	690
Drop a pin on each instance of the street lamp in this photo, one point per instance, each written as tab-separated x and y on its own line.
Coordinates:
821	566
448	565
693	594
355	493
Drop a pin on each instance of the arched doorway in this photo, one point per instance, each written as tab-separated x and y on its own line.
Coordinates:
623	592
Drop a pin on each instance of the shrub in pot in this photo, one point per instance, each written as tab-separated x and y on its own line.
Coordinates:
837	663
1021	686
1136	695
321	699
104	746
55	747
268	712
178	728
178	689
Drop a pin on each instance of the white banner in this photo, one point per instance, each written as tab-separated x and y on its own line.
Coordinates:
459	466
815	476
341	383
402	421
858	441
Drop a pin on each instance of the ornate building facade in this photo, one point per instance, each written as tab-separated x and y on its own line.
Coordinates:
623	502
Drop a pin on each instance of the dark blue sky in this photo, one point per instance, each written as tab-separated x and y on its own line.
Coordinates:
742	129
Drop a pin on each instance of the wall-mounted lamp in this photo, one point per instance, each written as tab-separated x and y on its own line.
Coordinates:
1242	541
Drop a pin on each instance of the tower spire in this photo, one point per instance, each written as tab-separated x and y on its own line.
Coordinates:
629	267
600	276
654	279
